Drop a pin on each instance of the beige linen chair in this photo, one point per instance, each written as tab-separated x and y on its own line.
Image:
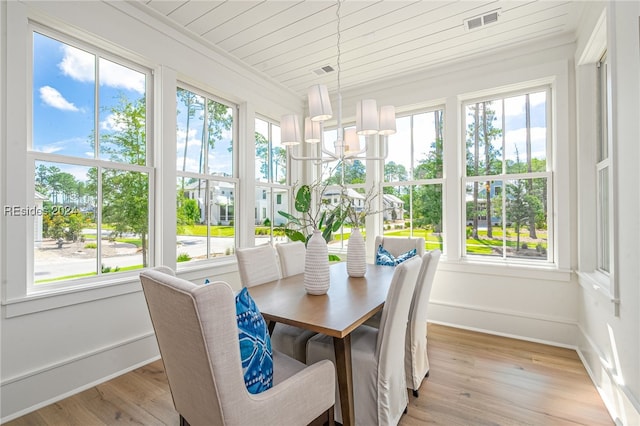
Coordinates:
197	334
416	362
399	245
292	257
256	266
379	386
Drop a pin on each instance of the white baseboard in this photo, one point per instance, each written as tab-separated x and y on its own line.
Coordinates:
35	389
555	331
623	407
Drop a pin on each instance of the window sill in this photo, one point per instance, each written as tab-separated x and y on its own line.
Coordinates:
545	271
45	300
598	284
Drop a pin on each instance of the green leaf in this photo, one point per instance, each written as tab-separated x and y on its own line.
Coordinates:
334	258
303	199
294	235
324	214
290	217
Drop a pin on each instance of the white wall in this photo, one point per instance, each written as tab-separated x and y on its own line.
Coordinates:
609	339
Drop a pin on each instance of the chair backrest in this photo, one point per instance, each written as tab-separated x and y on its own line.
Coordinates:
257	265
399	245
395	314
197	334
420	302
292	257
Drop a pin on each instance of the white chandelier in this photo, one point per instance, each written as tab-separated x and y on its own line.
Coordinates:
369	122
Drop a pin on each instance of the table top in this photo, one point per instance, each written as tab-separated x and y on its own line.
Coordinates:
348	303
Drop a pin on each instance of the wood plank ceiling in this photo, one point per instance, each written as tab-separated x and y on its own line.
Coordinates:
290	41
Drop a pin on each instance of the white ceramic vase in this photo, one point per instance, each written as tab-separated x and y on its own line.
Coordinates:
356	254
316	265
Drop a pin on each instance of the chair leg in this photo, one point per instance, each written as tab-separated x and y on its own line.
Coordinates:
415	393
183	421
332	420
406	409
426	375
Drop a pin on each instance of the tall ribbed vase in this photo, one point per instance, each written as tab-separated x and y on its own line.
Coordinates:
316	265
356	254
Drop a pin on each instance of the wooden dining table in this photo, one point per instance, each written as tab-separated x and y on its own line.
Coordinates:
348	303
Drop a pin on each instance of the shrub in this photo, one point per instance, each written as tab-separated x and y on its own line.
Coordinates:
524	246
184	257
91	246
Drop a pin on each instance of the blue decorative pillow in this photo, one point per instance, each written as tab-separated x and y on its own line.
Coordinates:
255	344
384	258
405	256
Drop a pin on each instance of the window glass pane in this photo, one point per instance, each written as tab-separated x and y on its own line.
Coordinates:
65	243
190	132
603	221
278	157
220	132
426	214
603	115
222	218
526	215
191	230
63	98
484	236
484	138
263	221
398	163
262	150
427	145
396	205
122	106
525	133
125	217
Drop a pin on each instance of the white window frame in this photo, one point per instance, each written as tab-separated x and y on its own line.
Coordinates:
33	156
212	178
503	176
421	182
267	188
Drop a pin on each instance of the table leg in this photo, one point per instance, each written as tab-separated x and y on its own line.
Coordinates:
342	348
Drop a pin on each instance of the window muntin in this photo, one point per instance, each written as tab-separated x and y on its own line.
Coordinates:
206	188
90	156
507	184
413	184
272	190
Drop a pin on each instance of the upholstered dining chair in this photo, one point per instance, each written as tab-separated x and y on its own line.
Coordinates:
399	245
379	385
256	266
197	333
292	257
416	361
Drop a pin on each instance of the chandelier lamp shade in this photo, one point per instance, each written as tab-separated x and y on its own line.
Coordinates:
371	123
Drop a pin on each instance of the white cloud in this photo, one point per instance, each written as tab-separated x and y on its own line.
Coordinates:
53	98
80	66
114	75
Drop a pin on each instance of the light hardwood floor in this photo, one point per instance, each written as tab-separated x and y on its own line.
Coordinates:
475	379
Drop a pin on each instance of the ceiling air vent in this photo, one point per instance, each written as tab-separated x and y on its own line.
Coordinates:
324	70
481	20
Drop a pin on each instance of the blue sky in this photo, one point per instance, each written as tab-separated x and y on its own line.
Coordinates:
64	96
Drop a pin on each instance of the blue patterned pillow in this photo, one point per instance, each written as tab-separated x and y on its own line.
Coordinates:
405	256
384	258
255	344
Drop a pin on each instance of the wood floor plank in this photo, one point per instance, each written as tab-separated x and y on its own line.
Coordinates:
475	379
